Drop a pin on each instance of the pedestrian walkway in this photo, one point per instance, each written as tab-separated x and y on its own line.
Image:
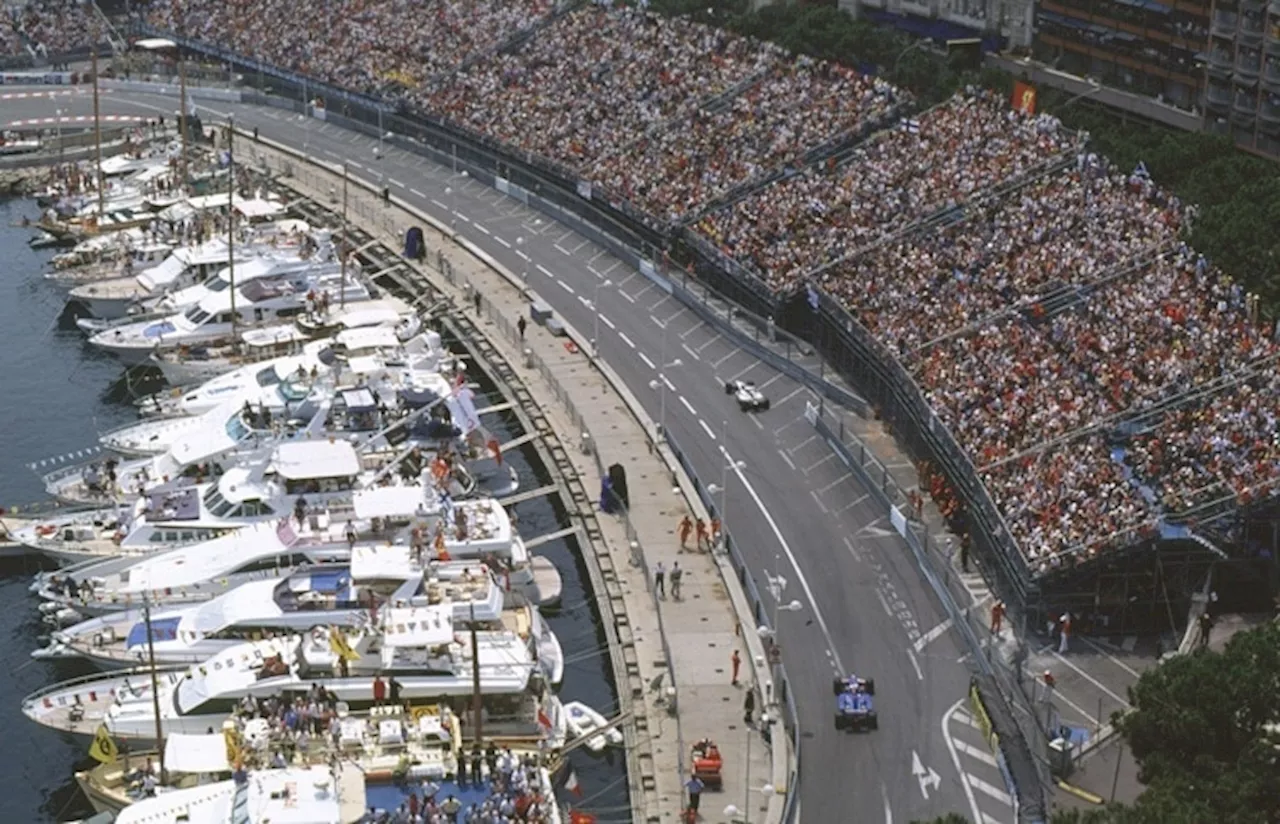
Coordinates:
683	648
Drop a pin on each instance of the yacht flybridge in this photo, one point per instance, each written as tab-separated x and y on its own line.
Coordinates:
185	266
418	647
219	317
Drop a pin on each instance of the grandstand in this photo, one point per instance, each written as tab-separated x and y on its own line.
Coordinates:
1028	317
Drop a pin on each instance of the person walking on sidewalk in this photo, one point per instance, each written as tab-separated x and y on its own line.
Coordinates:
736	661
677	575
660	581
1064	637
702	534
694	786
478	299
685	530
521	325
749	707
997	617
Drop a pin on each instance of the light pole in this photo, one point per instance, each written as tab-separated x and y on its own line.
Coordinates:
661	385
723	488
777	587
595	307
453	220
524	261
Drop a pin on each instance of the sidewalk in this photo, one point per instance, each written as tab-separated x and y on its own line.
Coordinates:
693	655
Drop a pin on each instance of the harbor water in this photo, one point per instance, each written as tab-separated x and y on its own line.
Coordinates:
60	395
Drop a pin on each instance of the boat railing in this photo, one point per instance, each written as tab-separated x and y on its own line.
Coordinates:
45	693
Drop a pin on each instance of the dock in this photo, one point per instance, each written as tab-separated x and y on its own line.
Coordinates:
534	543
528	495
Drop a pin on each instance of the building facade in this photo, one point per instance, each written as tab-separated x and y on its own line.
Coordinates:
1242	95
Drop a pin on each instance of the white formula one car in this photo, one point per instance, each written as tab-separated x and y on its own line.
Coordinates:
749	398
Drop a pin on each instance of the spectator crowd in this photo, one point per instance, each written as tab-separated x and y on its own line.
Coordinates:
1037	294
49	28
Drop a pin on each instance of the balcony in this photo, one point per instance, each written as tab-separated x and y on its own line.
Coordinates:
1246	102
1250	30
1271	75
1217	96
1254	6
1270	109
1247	63
1243	120
1225	23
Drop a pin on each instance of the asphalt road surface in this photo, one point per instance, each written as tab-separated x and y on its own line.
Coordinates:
792	506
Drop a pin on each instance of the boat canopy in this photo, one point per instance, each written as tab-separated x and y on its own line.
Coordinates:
188	753
316	459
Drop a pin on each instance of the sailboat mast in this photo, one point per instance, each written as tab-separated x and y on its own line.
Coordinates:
343	249
155	685
231	220
476	702
97	128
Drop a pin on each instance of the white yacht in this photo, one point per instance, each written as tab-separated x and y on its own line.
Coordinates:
290	795
264	489
196	573
184	267
187	267
328	596
373	357
414	651
128	254
350	328
220	316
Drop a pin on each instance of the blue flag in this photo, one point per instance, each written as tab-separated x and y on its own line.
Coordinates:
815	299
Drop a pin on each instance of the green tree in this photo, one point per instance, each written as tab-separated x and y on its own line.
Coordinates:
1199	732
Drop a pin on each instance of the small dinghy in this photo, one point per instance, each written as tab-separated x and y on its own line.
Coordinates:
582	721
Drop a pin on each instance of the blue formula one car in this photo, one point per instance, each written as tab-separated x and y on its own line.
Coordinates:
855	709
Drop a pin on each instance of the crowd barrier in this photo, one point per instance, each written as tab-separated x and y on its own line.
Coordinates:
650	246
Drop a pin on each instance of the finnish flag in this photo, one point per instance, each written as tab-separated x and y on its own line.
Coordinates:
912	125
446	504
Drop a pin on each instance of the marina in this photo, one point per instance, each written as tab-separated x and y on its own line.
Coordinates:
307	481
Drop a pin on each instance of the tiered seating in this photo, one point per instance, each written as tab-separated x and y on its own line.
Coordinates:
364	45
597	80
964	147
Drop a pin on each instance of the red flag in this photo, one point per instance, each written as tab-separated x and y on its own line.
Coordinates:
572	784
544	720
576	817
495	449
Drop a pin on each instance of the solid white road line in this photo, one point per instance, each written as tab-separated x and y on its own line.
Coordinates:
503	241
916	664
416	193
483	229
627	340
668	382
395	182
786	549
565	286
955	759
544	270
707	429
607	322
646	360
688	405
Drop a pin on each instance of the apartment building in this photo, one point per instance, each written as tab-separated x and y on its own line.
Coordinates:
1242	96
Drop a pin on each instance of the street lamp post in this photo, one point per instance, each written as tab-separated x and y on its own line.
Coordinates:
661	385
524	261
453	211
595	307
723	488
